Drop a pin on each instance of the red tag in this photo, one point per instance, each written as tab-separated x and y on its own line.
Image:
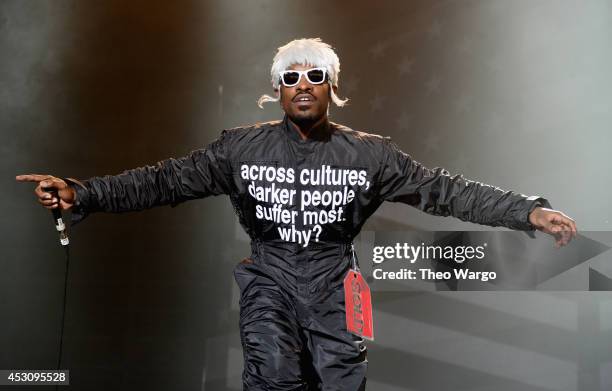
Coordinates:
358	302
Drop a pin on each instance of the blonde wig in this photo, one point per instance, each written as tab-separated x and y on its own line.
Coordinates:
305	51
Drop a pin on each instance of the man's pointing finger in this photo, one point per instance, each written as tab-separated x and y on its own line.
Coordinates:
31	178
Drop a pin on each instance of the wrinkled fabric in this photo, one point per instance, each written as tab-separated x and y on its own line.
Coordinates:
292	319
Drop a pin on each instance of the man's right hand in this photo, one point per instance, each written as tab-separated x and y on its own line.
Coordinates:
67	195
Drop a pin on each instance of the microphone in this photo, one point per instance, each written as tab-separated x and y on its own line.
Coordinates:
57	218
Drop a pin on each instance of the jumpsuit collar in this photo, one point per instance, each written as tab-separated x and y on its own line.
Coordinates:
322	134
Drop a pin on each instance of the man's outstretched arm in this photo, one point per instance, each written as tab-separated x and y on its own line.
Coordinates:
436	192
202	173
555	223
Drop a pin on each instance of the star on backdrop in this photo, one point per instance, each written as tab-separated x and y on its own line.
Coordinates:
465	46
494	63
260	69
463	104
435	29
493	124
350	85
378	49
460	163
433	85
403	121
404	37
376	103
405	66
431	142
237	100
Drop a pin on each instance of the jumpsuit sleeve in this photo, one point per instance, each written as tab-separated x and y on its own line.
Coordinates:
436	192
203	172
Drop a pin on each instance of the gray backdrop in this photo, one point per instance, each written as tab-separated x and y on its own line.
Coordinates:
513	93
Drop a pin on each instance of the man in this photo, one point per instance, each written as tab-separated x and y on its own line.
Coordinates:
302	188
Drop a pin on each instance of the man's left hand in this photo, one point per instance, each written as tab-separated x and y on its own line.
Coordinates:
555	223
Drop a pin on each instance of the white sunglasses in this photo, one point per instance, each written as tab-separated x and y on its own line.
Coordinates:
291	78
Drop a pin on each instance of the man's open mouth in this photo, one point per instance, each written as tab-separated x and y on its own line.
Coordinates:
304	98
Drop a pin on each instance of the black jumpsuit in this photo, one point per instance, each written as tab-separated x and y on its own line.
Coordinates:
292	321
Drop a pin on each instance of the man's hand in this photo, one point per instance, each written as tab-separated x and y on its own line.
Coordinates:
67	195
555	223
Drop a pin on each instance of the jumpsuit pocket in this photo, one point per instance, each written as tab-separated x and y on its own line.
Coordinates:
243	275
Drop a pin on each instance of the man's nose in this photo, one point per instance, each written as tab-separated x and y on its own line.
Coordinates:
304	84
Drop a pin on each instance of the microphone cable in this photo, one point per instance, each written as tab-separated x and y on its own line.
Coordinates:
59	224
61	341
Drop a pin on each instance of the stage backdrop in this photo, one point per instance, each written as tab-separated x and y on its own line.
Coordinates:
512	93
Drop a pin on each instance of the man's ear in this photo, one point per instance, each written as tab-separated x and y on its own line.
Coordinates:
277	92
329	91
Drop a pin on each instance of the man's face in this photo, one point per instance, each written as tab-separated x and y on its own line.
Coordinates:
311	110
